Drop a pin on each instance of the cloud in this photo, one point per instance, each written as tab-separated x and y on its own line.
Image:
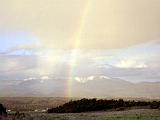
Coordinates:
41	79
17	66
130	64
83	23
135	63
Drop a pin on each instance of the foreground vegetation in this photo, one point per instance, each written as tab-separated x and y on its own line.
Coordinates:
32	103
134	114
84	109
84	105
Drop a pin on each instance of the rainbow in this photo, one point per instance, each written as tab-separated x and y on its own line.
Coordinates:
76	44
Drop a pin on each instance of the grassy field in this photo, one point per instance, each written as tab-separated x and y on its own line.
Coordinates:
134	114
31	103
27	106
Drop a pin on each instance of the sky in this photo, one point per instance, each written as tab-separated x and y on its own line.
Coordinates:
78	39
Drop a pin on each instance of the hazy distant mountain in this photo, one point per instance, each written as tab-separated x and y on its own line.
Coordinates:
118	88
97	87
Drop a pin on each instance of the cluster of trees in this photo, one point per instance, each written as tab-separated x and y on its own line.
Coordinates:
3	112
94	105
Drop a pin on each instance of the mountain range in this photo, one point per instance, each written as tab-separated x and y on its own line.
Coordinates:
99	86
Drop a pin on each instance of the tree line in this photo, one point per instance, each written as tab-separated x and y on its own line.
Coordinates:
84	105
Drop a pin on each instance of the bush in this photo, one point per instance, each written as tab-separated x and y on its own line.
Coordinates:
154	105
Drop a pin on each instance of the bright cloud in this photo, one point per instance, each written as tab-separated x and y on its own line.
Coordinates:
130	64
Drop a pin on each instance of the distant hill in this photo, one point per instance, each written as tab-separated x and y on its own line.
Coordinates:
98	87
